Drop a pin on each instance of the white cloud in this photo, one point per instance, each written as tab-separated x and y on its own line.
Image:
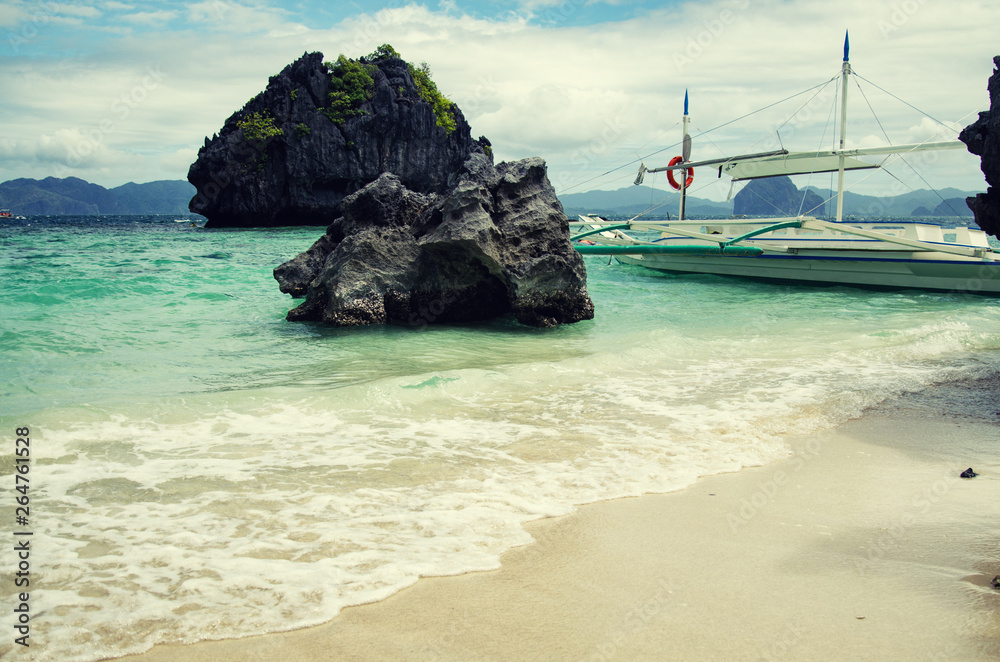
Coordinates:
531	6
239	19
929	129
178	160
11	15
81	11
150	18
62	151
26	18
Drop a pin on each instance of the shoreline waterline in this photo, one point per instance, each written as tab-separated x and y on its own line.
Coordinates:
864	544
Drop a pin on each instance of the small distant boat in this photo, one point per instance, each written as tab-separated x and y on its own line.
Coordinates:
801	249
6	213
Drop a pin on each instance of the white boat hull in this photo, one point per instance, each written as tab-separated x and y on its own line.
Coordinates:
806	250
887	270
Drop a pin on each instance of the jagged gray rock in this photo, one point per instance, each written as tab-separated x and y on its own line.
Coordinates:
301	176
496	243
982	137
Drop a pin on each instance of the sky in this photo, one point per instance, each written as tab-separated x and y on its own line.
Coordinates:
117	91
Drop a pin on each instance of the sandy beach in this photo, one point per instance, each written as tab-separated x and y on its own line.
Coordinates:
865	544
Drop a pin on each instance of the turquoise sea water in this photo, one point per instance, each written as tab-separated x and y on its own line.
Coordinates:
202	468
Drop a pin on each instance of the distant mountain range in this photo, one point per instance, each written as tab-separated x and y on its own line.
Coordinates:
943	202
53	196
75	196
636	199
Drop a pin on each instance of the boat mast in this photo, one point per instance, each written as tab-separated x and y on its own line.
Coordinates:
685	155
846	71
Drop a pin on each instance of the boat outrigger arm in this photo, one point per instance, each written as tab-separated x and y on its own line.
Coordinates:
782	162
700	164
730	245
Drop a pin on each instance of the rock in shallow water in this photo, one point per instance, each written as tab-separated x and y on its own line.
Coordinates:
496	243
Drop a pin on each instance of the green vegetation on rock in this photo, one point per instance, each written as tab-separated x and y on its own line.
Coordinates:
258	127
353	85
383	52
444	109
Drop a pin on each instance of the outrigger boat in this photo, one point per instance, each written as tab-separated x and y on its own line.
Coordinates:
801	249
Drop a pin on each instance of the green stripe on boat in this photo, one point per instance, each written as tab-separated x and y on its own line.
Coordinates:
620	226
649	249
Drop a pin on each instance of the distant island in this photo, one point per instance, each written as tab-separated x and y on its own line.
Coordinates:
72	195
777	196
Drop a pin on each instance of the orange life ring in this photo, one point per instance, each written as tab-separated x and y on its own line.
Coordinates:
670	174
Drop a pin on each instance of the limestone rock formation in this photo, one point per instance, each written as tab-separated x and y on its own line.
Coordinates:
982	137
496	243
951	208
776	196
321	131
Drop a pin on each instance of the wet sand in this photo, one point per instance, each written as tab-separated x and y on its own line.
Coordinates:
864	545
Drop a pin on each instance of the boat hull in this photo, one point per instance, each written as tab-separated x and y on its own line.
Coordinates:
884	271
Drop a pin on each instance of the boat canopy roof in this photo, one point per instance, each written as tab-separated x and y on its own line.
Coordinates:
793	163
